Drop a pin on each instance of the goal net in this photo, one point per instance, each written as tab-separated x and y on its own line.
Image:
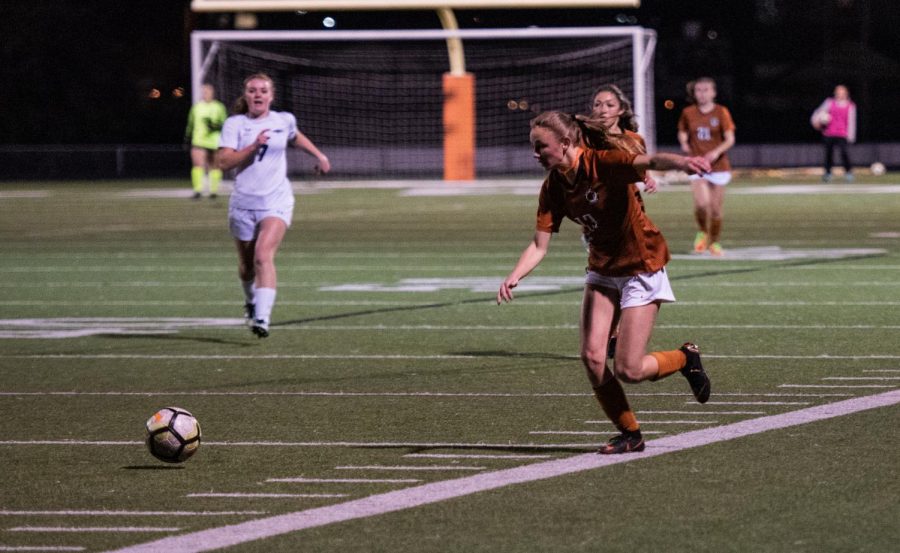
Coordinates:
373	100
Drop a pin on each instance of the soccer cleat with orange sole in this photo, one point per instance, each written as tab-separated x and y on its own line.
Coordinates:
626	442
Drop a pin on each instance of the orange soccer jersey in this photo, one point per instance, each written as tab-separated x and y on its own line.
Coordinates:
706	131
607	204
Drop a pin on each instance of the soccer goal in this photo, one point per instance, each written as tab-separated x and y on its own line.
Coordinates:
375	101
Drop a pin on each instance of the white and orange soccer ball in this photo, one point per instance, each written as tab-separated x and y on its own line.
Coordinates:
173	435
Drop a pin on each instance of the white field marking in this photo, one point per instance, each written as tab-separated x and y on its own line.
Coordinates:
18	194
413	394
59	328
36	548
822	357
408	467
472	456
754	303
702	412
881	370
369	303
488	285
582	432
435	445
101	529
317	268
643	422
93	513
817	189
839	386
776	253
756	403
376	356
861	378
345	480
267	495
434	492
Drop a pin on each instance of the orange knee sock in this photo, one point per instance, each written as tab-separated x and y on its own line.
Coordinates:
669	362
614	403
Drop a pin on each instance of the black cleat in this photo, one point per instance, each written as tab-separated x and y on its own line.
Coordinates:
196	196
626	442
611	347
260	328
693	371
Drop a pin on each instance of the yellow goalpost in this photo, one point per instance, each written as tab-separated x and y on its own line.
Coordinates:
458	85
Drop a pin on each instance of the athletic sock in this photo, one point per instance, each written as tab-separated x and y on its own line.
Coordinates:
197	179
612	399
247	286
669	362
215	177
715	230
264	299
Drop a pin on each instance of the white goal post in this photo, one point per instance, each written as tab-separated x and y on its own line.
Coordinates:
373	99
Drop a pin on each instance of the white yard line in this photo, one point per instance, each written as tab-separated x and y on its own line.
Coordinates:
96	513
377	356
472	456
407	498
345	480
408	467
237	495
577	395
98	529
39	548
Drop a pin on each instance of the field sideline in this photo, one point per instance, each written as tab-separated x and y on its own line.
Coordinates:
396	408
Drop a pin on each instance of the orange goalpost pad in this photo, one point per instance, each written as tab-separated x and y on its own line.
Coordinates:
459	127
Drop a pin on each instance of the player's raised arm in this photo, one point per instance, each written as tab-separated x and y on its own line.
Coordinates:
670	162
530	258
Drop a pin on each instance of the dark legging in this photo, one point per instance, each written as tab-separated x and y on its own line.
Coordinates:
841	143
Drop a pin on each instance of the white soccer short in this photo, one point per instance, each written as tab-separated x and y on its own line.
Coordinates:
244	223
637	290
719	178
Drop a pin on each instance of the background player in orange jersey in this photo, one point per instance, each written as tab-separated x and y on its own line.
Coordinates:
707	129
613	110
626	279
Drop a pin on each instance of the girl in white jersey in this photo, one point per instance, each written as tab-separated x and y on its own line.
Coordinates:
254	142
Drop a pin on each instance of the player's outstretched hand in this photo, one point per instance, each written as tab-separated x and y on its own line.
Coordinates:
698	164
323	166
505	294
650	184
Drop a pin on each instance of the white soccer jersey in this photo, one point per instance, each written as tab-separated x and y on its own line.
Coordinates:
263	184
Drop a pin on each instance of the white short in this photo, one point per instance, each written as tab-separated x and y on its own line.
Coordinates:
638	290
244	223
719	178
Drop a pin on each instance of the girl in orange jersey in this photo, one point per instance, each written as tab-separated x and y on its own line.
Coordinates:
612	109
626	279
707	129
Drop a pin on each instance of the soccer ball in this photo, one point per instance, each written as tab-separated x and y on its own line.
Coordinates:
877	168
173	435
823	118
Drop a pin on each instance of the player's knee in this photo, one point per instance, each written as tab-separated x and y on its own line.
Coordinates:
627	371
594	360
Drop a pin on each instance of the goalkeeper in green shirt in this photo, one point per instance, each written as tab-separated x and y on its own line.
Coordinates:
203	128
